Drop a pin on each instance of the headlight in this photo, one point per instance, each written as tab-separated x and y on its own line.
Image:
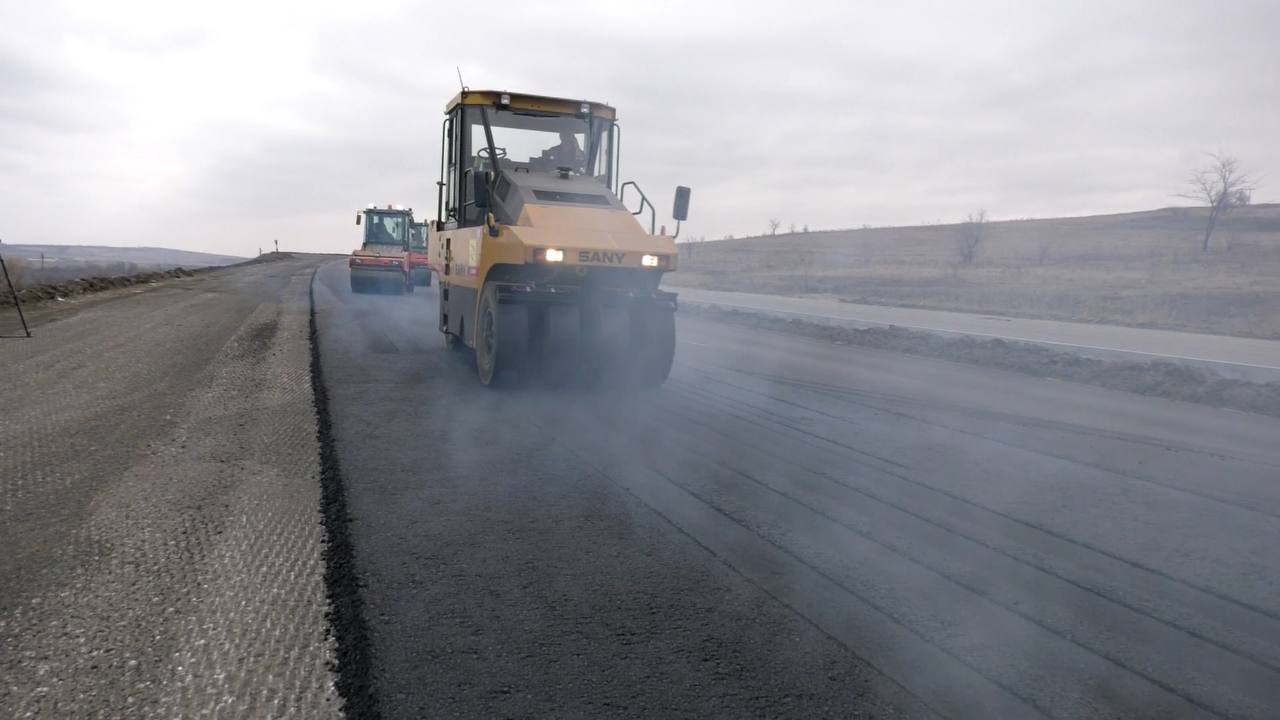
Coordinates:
649	260
553	255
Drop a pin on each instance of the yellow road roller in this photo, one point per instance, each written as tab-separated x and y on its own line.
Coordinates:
545	271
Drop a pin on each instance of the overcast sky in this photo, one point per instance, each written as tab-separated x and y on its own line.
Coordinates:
219	126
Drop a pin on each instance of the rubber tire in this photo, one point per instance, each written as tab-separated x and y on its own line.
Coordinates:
357	286
655	330
502	340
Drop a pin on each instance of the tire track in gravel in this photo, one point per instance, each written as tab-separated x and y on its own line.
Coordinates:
198	589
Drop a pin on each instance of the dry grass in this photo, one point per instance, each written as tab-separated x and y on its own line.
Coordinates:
35	284
1136	269
27	274
85	286
19	271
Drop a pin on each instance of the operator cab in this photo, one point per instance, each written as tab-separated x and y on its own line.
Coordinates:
418	237
387	227
548	150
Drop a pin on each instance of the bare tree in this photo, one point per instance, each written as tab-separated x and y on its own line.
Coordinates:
792	229
1045	249
773	226
691	244
971	231
1221	185
805	228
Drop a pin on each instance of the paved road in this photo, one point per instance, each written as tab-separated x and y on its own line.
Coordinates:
1243	358
796	529
160	537
787	529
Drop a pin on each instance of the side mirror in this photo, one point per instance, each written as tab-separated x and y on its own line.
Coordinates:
357	218
680	211
480	189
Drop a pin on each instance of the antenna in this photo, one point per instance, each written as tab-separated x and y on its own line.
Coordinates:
464	85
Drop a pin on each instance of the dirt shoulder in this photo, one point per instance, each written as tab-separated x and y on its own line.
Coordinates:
1157	379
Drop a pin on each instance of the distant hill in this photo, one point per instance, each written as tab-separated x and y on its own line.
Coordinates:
1141	268
63	263
1162	226
159	258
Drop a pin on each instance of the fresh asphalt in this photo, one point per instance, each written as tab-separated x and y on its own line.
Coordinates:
796	529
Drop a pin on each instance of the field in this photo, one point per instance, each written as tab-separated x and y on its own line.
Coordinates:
1144	269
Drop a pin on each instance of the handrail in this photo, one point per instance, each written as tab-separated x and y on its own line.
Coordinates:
653	212
617	155
444	133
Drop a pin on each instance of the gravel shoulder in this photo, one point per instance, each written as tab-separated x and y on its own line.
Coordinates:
159	477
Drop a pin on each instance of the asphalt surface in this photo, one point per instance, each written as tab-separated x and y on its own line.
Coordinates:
1253	359
160	507
796	529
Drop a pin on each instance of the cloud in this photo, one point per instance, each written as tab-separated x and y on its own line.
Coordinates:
243	122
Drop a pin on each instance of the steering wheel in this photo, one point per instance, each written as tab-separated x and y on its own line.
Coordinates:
483	152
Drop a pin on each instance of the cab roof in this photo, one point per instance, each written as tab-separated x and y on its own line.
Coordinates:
372	207
525	101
